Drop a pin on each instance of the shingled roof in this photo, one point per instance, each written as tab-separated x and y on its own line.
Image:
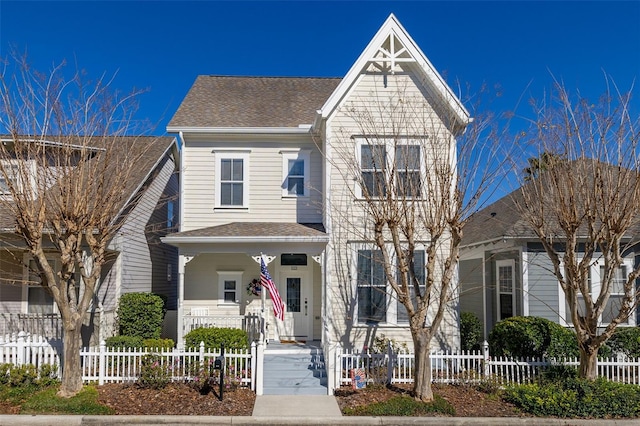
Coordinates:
154	148
226	101
503	219
255	230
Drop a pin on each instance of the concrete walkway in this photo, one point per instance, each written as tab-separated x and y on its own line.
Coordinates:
314	406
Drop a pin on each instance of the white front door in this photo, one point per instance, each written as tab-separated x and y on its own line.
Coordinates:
299	305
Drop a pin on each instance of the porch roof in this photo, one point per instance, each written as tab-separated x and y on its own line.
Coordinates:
252	232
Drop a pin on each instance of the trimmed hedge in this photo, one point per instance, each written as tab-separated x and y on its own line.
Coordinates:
213	338
626	340
535	337
140	315
575	397
126	342
470	332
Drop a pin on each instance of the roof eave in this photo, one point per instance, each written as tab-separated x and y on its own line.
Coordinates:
244	239
302	129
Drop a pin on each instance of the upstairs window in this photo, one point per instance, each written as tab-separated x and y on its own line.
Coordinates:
295	173
373	164
390	161
407	161
232	179
14	176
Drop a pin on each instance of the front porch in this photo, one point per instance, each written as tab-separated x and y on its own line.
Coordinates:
220	266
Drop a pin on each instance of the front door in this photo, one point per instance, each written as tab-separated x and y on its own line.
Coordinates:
299	306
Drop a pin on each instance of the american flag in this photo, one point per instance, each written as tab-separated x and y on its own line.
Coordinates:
266	281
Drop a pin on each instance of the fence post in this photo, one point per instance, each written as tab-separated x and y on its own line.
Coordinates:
102	362
390	362
253	365
21	348
259	368
332	361
486	358
201	354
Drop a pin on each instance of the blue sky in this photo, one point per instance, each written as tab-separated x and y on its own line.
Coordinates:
163	46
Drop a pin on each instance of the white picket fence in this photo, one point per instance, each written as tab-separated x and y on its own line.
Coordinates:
468	367
107	365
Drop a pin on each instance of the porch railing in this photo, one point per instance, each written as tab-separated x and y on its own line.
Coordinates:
45	325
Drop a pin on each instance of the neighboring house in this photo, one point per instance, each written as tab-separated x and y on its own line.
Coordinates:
504	270
138	260
259	177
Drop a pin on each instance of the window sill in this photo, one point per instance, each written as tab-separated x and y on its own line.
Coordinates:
231	209
296	196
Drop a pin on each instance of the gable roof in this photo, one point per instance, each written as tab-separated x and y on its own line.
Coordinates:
503	219
248	102
156	147
401	49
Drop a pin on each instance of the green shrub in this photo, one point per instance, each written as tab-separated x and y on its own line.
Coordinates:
158	344
140	315
627	341
535	337
575	397
213	338
5	370
23	375
154	374
470	332
124	342
48	375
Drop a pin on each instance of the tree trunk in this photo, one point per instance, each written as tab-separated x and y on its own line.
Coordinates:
71	368
588	363
422	375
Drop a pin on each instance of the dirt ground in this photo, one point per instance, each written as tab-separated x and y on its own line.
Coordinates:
179	399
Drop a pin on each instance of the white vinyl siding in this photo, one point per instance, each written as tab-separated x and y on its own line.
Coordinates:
347	215
265	184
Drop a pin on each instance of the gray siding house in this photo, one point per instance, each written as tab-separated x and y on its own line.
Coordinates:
138	260
504	271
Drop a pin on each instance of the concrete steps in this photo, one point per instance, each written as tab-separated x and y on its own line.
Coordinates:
298	371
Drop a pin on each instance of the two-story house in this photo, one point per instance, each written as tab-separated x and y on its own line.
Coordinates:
137	261
265	172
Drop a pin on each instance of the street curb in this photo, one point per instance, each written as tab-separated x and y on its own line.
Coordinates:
65	420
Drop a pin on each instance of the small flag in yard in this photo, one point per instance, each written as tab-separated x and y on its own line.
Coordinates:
267	282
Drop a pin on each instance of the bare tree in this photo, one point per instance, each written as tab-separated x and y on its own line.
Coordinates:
408	174
583	207
65	164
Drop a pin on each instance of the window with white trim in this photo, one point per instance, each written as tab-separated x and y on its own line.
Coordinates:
384	160
16	175
371	287
38	299
615	299
229	284
232	179
295	173
505	289
377	303
419	272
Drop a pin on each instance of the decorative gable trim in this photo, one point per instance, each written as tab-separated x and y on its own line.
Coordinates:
400	49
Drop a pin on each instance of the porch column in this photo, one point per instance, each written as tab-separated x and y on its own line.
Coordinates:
182	262
263	297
